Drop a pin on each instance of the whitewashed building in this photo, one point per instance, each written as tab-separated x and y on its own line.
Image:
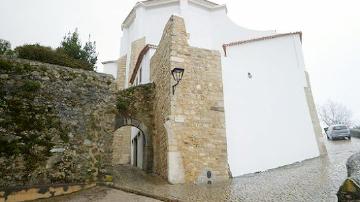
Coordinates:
110	67
268	112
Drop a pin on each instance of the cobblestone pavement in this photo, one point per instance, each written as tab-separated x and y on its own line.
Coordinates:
99	194
316	179
312	180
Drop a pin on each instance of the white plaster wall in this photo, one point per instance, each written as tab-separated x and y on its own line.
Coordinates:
212	28
145	66
226	31
268	122
207	28
111	68
140	153
140	147
155	21
199	25
134	132
267	119
132	160
124	42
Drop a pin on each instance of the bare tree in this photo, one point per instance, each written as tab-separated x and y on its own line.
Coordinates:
332	113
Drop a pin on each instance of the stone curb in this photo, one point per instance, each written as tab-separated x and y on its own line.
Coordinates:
34	192
138	192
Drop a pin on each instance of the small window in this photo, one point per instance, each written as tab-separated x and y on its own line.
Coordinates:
340	127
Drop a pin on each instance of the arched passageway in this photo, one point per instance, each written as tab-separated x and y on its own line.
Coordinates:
135	109
135	140
137	148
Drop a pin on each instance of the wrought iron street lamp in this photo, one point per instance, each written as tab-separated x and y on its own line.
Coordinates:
177	74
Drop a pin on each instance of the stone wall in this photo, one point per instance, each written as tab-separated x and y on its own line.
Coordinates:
160	68
121	146
135	108
41	192
51	123
199	119
120	81
122	136
314	117
136	48
76	116
190	125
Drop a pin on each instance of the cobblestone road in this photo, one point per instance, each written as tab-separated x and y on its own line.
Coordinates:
316	179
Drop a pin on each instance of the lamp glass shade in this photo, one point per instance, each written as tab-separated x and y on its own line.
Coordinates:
177	73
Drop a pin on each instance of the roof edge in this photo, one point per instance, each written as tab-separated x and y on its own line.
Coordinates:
139	60
236	43
108	61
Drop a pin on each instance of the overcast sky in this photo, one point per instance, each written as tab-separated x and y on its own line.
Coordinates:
331	32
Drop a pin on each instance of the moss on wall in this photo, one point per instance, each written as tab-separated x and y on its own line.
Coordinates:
129	100
45	122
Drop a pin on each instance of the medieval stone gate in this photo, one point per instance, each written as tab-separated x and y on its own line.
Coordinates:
184	131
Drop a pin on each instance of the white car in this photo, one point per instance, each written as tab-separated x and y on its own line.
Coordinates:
338	132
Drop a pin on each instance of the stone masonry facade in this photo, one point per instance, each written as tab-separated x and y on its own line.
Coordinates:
190	141
135	108
51	123
85	115
122	136
120	82
160	74
136	48
121	146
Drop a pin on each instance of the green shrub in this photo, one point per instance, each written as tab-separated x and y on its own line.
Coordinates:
72	47
31	86
4	46
5	65
47	54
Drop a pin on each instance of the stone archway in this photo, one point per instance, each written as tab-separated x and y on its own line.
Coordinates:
147	154
135	108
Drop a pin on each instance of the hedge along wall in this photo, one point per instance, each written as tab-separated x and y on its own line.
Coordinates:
48	123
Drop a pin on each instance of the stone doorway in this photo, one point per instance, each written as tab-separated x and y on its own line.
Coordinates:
137	148
130	147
